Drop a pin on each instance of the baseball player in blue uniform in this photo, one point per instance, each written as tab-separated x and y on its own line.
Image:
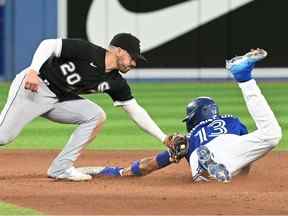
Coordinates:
216	147
61	69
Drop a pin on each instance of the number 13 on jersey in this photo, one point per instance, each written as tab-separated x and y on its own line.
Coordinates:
218	127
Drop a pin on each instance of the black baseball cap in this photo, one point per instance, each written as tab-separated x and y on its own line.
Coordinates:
130	43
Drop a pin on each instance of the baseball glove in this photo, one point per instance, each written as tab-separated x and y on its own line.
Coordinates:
177	147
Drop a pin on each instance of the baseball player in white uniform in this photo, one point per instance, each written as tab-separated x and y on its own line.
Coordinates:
218	147
61	69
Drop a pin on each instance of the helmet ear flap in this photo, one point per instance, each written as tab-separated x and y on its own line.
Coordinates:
200	109
210	110
190	119
189	126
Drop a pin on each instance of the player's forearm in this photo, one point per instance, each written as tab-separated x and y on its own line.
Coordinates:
46	49
147	165
144	121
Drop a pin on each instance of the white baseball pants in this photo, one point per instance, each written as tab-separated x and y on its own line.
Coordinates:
23	106
236	152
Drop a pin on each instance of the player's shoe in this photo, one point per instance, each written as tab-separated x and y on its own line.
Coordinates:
101	171
241	66
215	170
72	174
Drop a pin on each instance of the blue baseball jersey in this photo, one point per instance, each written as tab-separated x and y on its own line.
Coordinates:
209	129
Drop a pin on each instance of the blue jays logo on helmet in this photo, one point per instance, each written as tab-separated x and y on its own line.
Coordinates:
200	109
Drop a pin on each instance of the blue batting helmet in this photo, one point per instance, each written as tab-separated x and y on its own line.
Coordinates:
200	109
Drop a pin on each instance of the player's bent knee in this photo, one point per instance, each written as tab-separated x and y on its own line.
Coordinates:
277	137
98	116
274	136
4	140
274	142
102	116
97	122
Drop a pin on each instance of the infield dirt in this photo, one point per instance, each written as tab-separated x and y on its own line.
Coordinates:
23	182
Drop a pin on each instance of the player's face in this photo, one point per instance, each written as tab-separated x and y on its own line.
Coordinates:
125	62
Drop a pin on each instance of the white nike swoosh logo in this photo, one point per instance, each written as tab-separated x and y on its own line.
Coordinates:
93	65
153	28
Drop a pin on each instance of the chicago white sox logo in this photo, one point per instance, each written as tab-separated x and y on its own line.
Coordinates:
104	86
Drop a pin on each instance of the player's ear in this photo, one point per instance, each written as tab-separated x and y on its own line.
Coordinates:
115	50
121	51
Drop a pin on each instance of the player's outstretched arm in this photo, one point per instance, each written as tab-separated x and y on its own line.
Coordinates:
178	148
139	115
141	167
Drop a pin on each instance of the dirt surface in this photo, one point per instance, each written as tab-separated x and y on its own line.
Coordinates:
23	182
